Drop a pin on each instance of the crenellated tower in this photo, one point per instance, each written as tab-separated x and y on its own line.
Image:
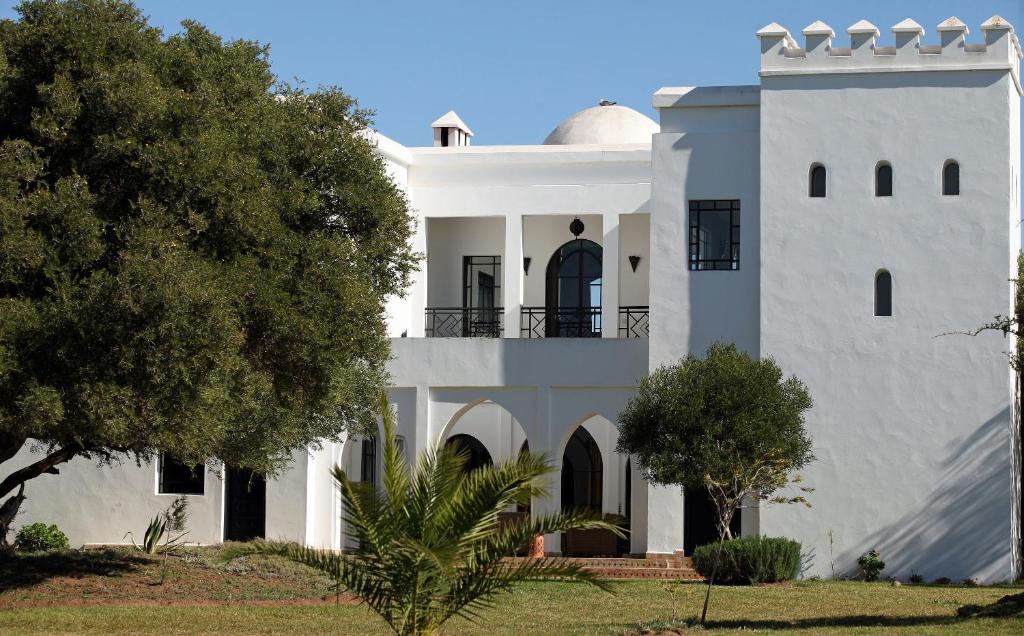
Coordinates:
890	214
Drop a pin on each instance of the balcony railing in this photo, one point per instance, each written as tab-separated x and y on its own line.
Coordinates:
633	321
464	322
563	322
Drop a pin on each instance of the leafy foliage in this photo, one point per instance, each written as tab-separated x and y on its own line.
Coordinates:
750	560
431	544
871	565
163	528
194	257
39	537
726	422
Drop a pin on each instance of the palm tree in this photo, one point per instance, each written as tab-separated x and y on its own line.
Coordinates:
431	545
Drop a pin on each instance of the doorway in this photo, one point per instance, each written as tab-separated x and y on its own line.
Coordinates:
245	505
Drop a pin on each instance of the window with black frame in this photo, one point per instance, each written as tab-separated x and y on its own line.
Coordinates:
715	234
481	291
178	478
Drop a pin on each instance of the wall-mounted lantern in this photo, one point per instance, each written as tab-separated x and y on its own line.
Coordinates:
634	261
526	265
576	227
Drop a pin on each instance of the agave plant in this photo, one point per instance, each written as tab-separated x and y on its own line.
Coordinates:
165	524
431	545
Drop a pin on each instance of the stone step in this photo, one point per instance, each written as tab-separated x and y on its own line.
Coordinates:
671	568
668	574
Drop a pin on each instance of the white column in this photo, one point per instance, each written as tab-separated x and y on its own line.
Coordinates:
545	440
418	289
610	276
512	286
421	437
664	519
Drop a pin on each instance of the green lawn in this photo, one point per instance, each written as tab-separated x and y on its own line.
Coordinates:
120	592
561	608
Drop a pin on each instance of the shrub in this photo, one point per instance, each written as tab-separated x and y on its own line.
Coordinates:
942	580
38	537
871	565
750	560
916	578
969	582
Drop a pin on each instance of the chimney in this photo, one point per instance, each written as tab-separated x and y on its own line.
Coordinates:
450	130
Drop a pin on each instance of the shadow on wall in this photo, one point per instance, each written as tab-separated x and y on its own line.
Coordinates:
962	529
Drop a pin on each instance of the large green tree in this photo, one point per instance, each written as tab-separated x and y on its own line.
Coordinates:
726	422
194	257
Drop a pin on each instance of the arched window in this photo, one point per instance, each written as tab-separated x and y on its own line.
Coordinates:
368	460
883	293
817	180
951	178
573	291
883	179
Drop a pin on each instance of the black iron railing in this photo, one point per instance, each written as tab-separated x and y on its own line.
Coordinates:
464	322
633	321
564	322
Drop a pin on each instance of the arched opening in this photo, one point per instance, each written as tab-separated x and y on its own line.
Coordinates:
573	291
582	487
816	187
951	178
883	179
476	453
883	293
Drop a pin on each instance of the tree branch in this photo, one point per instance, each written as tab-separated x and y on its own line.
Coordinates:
44	465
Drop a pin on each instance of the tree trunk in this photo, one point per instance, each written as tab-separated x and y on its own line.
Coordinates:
725	515
17	479
8	511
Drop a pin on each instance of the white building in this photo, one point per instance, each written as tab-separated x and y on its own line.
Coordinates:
839	215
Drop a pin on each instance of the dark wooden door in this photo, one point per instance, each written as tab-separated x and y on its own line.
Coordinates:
699	525
245	508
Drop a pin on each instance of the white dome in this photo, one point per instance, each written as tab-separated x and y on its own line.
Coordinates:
610	124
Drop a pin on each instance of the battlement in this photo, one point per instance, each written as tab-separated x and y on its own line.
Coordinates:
780	54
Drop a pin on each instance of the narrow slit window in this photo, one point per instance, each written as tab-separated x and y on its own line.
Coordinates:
817	181
883	180
883	293
951	178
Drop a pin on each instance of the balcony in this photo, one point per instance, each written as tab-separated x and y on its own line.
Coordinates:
464	322
563	322
633	321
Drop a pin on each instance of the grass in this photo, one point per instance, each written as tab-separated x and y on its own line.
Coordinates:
114	592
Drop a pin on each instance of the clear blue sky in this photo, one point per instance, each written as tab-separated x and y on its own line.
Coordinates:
513	70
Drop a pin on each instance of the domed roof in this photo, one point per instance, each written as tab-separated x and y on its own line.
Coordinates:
607	124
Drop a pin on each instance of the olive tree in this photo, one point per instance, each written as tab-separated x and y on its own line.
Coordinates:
194	257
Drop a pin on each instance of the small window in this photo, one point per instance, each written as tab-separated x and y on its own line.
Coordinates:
177	478
817	181
715	234
883	180
883	293
951	178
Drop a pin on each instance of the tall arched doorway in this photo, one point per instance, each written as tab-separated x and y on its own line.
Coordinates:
573	291
583	487
477	455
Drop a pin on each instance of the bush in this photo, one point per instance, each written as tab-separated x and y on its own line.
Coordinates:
38	537
871	565
916	578
750	560
942	580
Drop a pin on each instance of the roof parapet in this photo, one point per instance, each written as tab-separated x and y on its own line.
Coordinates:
781	56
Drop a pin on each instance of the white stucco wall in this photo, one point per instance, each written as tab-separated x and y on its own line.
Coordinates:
449	239
912	430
